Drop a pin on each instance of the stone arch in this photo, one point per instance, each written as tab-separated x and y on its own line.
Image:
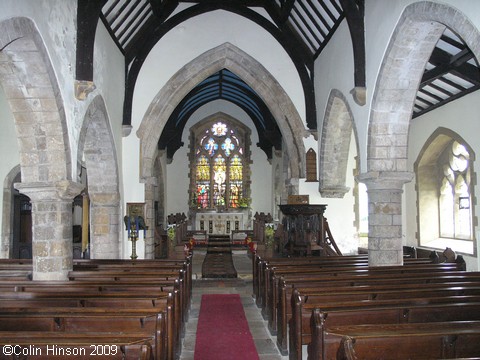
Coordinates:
417	31
253	73
335	145
7	212
34	97
97	150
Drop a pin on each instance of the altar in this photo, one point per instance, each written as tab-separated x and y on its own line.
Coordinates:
221	223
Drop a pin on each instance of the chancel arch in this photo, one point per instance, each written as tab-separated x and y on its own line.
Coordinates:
97	152
225	56
418	30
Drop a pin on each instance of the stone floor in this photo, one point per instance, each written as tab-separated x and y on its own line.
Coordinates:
265	343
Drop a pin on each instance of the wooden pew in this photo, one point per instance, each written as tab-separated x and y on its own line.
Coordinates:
271	273
168	303
280	282
115	283
259	264
38	346
331	284
145	322
455	339
138	275
396	310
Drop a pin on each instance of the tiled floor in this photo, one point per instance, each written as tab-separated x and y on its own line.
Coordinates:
265	343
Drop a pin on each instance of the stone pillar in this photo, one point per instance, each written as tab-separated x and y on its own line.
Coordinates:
52	238
385	245
105	225
150	220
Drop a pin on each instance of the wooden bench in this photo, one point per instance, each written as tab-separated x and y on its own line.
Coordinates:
271	273
145	322
160	286
139	276
281	282
442	340
396	310
259	263
167	303
39	345
331	284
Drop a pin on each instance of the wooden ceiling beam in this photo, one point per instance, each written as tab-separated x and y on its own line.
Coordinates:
355	15
88	14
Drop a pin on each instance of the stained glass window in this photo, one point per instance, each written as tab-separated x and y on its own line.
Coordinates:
227	146
218	175
202	194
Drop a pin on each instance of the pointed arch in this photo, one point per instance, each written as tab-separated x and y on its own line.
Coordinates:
97	148
34	97
437	207
253	73
335	145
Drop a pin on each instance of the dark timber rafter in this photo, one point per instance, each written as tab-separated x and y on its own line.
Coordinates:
88	13
355	14
302	27
296	51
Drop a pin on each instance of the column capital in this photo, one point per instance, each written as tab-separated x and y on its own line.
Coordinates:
385	180
61	190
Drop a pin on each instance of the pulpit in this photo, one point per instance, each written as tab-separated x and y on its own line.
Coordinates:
303	227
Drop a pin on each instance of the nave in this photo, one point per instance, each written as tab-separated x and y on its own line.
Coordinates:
242	285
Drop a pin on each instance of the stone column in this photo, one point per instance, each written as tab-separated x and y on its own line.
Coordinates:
385	245
150	185
52	238
105	225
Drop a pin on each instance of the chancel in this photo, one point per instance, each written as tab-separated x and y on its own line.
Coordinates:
283	157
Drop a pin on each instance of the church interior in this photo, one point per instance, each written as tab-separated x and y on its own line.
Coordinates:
289	157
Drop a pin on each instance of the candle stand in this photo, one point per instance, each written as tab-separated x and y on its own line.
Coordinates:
133	238
133	225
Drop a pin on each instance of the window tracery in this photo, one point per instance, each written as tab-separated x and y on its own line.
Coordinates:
219	164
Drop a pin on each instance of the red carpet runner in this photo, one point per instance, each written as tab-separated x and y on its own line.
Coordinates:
222	331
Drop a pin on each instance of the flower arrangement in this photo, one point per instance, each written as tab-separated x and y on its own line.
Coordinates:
171	233
188	247
269	235
251	245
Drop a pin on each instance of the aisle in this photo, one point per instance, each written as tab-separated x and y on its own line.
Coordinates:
222	330
218	262
264	342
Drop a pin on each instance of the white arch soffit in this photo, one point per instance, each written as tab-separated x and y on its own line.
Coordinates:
96	134
336	135
249	70
24	30
429	19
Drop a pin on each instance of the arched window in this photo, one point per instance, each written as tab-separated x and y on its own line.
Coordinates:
455	199
220	156
445	212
